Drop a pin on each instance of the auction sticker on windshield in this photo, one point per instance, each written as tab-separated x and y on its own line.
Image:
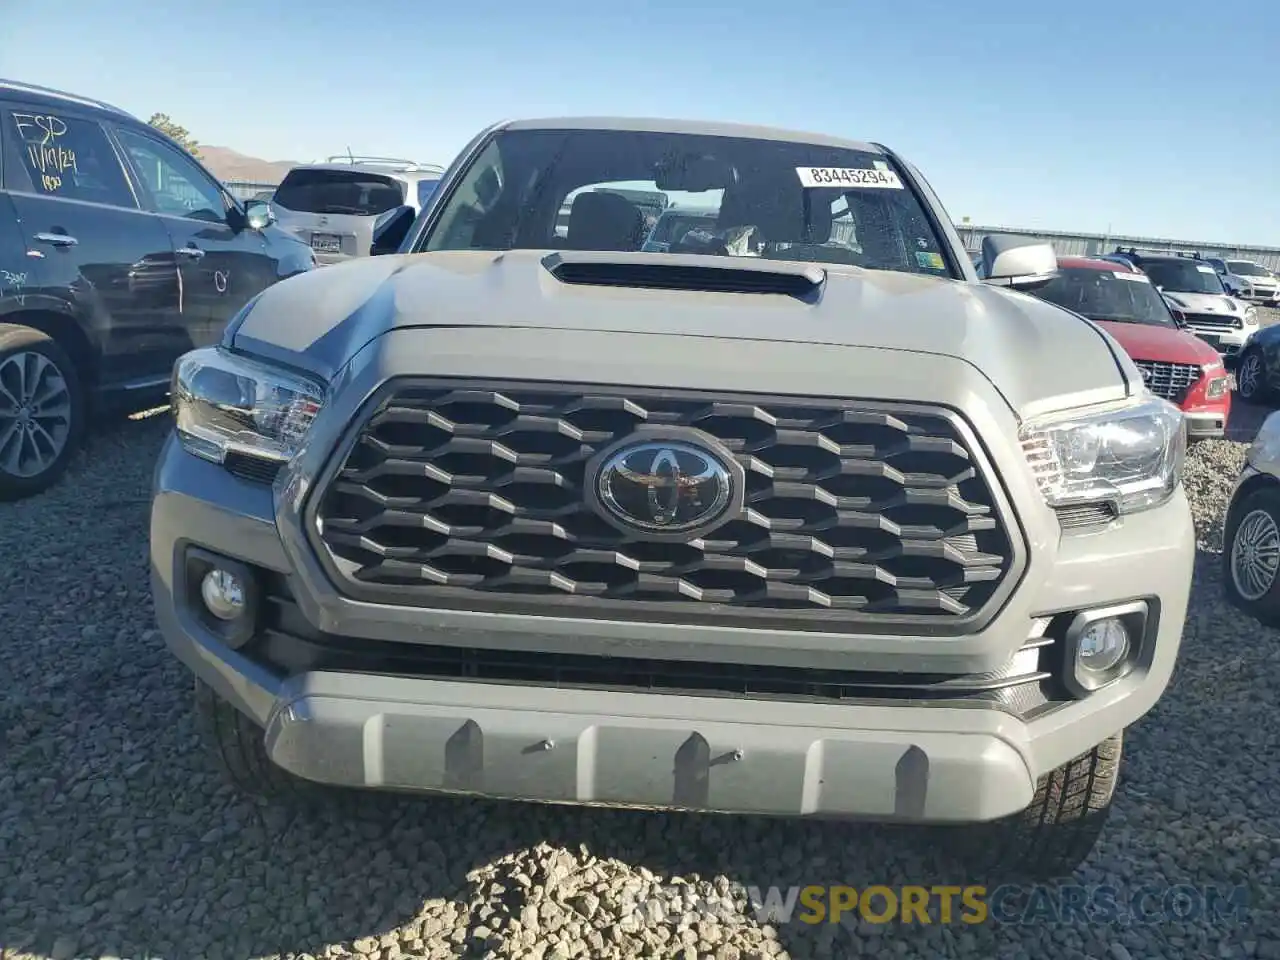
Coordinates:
1133	277
848	177
1206	269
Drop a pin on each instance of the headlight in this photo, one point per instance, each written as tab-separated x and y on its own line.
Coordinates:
1129	455
225	403
1217	387
1251	316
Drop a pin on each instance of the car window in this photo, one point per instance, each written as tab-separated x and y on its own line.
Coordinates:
770	199
339	191
177	186
1246	268
64	157
1183	276
1119	296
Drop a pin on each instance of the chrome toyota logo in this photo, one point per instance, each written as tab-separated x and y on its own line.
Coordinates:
665	486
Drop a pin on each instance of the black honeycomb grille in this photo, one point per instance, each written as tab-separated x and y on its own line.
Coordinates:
468	495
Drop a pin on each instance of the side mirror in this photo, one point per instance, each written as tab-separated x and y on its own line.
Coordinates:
390	231
258	214
1018	262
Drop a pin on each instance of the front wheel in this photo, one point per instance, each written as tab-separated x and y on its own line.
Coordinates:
41	411
1057	832
237	746
1251	377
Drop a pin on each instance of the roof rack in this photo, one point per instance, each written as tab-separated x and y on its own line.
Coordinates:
1155	252
17	87
405	166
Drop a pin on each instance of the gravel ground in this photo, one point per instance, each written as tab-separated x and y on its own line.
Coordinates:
118	838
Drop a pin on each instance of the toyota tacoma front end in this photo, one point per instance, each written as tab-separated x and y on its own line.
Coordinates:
795	519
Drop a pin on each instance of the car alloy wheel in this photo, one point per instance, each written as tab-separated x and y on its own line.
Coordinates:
35	414
1255	555
1249	375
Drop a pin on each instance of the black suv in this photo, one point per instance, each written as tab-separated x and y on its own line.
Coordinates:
118	253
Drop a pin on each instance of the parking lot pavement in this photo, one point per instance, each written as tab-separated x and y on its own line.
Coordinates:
118	838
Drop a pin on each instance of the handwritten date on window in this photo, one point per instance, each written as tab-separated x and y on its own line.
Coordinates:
50	157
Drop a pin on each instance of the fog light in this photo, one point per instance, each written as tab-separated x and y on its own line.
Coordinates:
1103	644
223	594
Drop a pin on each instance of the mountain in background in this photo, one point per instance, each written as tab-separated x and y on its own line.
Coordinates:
227	164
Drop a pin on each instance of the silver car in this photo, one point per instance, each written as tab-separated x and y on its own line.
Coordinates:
337	205
807	531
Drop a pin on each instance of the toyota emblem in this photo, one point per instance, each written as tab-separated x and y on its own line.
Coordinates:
662	488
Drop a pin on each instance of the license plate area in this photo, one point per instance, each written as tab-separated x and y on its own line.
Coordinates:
326	243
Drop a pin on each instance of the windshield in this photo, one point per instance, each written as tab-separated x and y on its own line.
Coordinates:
1244	268
1106	295
1183	276
339	191
773	199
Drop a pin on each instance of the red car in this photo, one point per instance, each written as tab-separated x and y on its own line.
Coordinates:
1175	363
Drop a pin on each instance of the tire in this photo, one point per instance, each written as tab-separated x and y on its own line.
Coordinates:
236	743
37	439
1052	837
1252	387
1254	587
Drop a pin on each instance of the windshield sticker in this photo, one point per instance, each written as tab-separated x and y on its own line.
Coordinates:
848	177
930	261
1133	277
880	165
1206	269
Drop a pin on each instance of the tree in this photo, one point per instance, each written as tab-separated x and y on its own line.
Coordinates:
178	134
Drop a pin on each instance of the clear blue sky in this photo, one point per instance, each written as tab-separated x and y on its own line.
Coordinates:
1151	118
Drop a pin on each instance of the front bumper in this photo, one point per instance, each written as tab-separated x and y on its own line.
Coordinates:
885	762
905	759
1206	424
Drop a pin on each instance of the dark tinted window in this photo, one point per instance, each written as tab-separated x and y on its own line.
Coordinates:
1107	295
65	157
339	191
1183	276
773	199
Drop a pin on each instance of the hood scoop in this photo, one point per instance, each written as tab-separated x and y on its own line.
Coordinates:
691	272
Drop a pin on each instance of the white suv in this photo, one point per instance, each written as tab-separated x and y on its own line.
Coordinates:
338	205
1248	280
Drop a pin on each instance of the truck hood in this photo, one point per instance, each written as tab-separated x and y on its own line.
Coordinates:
1037	355
1145	341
